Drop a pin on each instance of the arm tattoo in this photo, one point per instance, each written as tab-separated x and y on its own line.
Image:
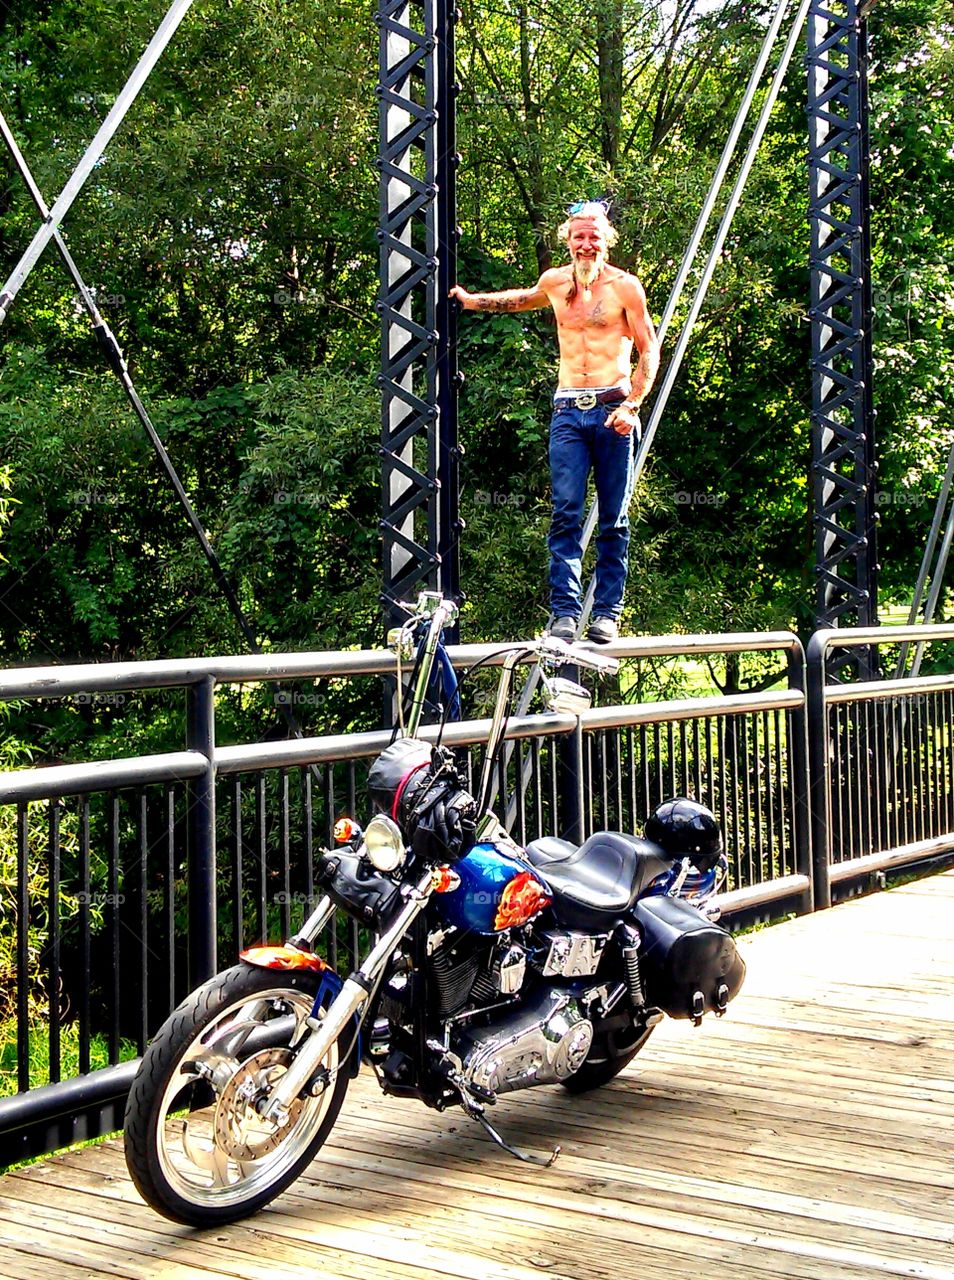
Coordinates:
512	301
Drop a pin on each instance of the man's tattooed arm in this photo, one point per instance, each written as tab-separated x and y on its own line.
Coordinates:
506	300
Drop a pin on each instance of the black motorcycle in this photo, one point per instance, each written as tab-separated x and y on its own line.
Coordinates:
494	967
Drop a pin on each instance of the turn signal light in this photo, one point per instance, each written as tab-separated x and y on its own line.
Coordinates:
445	880
520	901
346	829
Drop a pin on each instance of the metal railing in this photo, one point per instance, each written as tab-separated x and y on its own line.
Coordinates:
882	761
135	876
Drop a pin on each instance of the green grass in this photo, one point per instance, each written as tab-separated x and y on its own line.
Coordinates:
40	1055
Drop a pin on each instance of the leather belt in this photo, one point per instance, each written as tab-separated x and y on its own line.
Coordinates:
589	399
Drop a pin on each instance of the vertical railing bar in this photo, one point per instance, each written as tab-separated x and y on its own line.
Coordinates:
112	825
862	772
261	908
644	770
786	834
142	831
658	766
537	787
696	763
896	760
870	773
618	775
634	814
521	781
710	795
23	948
836	790
929	762
925	762
851	779
671	748
946	720
308	839
328	799
908	772
238	877
84	928
879	743
284	841
53	966
684	757
758	797
169	897
747	799
733	729
604	747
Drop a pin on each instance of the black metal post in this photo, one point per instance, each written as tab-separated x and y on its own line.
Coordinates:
819	771
802	794
841	314
200	809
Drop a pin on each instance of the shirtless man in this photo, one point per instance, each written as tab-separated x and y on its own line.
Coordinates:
601	313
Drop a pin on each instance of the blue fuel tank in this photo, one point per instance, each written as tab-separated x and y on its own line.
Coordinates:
484	875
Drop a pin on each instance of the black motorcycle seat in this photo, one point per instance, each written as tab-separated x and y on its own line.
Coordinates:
550	849
594	884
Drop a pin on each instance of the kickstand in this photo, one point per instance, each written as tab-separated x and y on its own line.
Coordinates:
478	1114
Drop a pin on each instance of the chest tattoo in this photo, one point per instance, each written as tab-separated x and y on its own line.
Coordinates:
598	315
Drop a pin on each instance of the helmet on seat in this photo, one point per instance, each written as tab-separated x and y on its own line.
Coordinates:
685	829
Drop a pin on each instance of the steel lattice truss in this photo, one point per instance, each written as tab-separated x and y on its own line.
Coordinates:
420	524
841	311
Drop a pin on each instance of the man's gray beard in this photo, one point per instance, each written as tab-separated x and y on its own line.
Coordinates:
587	269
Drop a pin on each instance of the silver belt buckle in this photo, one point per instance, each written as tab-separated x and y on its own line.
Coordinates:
586	401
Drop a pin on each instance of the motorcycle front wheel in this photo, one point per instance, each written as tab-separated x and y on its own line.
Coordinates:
197	1147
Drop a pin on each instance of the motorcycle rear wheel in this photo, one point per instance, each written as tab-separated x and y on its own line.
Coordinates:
197	1149
608	1055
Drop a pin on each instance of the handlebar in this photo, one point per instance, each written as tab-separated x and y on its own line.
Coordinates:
550	648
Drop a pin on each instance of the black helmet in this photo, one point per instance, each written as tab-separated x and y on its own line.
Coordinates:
399	769
685	829
417	786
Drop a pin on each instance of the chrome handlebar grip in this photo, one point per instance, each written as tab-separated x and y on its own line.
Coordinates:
561	651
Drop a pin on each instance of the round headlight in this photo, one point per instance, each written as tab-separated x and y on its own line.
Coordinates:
384	843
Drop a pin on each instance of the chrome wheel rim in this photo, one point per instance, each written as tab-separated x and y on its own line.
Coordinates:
225	1152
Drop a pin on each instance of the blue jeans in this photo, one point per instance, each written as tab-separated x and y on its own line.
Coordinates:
580	440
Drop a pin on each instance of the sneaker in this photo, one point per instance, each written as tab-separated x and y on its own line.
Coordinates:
603	630
564	628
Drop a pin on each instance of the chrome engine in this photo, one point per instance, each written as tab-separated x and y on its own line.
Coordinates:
541	1043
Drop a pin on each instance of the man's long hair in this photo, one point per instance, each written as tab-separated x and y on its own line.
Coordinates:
596	211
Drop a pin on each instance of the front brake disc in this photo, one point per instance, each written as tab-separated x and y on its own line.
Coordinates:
240	1130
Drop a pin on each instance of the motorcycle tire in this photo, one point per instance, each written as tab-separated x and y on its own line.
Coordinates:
608	1055
196	1148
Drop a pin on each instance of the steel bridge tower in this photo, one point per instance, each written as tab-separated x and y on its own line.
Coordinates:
420	520
843	448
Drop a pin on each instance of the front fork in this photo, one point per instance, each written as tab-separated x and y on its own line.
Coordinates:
354	995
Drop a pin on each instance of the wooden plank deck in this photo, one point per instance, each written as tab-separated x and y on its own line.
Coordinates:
810	1133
